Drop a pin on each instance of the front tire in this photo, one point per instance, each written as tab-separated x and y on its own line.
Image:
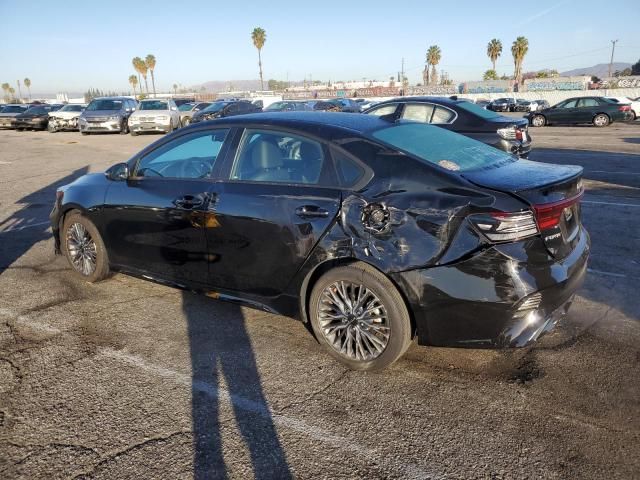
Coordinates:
601	120
84	248
186	121
538	121
359	317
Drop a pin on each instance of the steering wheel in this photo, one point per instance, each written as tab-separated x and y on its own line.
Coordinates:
195	169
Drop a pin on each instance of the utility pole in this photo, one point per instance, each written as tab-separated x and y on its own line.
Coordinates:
402	79
613	49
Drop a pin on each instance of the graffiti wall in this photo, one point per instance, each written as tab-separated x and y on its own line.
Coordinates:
618	82
488	86
556	83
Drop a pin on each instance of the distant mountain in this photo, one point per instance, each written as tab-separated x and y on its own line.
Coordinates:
601	70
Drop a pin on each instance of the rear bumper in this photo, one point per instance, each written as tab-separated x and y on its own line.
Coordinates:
499	297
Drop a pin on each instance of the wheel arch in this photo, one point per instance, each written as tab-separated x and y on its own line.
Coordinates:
312	277
66	209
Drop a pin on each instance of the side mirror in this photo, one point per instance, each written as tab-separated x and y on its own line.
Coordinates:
118	172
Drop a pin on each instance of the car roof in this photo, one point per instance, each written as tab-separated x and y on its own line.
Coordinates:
439	100
355	122
112	98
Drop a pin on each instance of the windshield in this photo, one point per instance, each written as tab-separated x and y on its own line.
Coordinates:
185	107
72	108
441	147
153	105
214	107
276	107
37	110
476	110
96	105
13	109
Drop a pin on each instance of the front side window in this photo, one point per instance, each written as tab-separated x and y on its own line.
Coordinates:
269	156
441	147
568	104
189	156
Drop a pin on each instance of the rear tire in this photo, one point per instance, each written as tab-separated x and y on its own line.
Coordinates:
538	121
186	121
124	128
84	133
133	133
359	317
601	120
84	248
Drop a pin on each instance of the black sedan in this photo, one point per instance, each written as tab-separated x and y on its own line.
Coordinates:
372	231
502	105
505	133
225	108
35	117
598	111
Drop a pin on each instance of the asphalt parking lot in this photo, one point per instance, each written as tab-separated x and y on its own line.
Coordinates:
128	379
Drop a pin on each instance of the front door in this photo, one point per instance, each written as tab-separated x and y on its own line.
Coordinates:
565	112
279	199
154	221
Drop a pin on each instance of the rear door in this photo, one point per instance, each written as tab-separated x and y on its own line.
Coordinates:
279	197
586	109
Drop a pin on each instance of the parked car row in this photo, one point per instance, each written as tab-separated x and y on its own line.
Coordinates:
516	105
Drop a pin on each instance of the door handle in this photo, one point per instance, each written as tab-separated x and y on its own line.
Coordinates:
189	201
311	211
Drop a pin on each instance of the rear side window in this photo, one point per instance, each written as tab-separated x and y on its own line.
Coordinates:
350	172
443	115
441	147
418	112
588	102
280	157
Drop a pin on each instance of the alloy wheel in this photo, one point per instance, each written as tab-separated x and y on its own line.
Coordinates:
82	249
353	320
600	120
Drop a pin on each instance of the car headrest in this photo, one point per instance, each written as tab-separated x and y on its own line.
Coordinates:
266	155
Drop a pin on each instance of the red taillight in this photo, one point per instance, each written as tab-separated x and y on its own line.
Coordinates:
625	108
518	134
548	214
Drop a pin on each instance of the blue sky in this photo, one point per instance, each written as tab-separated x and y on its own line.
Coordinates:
72	45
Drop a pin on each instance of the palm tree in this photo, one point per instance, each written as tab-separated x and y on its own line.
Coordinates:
141	67
433	58
12	92
150	62
519	49
5	87
19	91
259	36
27	83
133	81
175	88
494	50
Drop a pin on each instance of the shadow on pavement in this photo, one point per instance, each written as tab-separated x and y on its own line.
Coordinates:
632	140
30	225
221	351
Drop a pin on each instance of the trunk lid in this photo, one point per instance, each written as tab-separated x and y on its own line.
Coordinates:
552	191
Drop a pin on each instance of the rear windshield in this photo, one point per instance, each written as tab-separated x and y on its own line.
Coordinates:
441	147
214	107
37	110
476	110
72	108
13	109
96	105
153	105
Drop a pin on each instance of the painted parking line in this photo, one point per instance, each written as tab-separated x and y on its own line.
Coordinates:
409	470
606	274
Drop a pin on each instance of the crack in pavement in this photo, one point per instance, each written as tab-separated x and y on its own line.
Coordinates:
110	457
315	393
